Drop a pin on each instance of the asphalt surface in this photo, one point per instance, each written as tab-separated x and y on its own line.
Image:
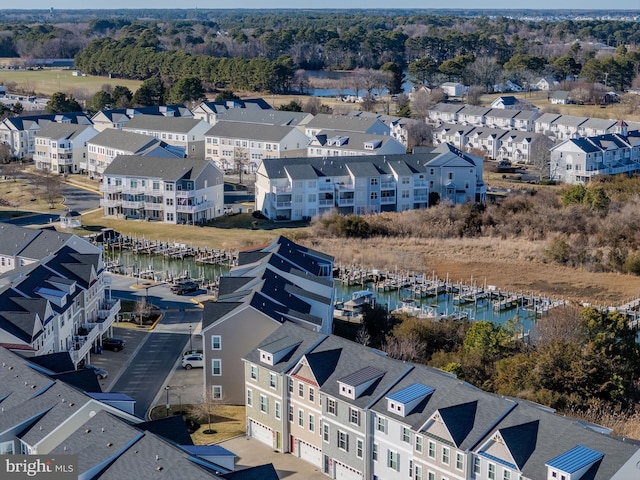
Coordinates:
155	361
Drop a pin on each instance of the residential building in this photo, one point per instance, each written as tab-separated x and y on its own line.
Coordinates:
281	118
234	145
61	147
545	84
118	117
383	418
331	143
299	188
346	123
578	160
566	126
44	415
597	126
209	111
108	144
560	97
506	119
454	89
181	132
544	123
53	293
278	283
398	126
525	120
472	115
170	190
444	113
20	132
506	102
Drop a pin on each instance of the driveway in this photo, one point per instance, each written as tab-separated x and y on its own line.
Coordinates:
251	452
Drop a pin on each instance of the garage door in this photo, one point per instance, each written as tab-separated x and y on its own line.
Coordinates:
346	473
311	454
261	433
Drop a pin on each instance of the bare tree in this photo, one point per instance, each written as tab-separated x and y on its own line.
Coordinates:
5	153
539	154
562	323
473	97
207	410
11	170
484	71
357	81
363	337
420	104
142	309
419	134
407	348
47	185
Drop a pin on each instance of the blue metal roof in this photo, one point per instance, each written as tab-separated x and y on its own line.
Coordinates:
411	393
575	459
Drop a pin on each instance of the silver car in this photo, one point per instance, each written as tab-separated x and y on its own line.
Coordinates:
193	360
101	373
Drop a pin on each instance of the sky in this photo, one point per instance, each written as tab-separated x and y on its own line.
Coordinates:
502	4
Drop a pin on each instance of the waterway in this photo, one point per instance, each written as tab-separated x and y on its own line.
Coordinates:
167	268
342	76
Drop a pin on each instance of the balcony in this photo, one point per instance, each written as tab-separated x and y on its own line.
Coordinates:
326	187
107	202
183	193
107	313
133	204
326	203
63	150
280	205
109	188
133	190
388	185
153	205
193	208
346	187
276	190
388	200
346	202
420	183
420	198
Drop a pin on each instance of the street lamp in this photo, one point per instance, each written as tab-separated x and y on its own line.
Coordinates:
190	340
167	388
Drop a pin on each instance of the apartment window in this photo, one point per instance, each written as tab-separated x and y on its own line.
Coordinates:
432	449
459	461
343	441
432	476
253	372
301	418
312	394
418	472
6	448
273	380
216	342
325	432
216	391
332	408
492	471
291	413
312	423
216	367
406	435
301	390
169	201
476	465
374	452
374	195
359	448
374	181
264	404
381	425
393	460
450	176
290	385
418	444
506	475
168	187
445	455
278	410
354	416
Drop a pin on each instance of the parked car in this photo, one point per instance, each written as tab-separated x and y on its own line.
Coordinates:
100	372
193	360
115	344
185	286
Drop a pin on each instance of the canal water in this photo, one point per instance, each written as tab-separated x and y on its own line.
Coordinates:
167	268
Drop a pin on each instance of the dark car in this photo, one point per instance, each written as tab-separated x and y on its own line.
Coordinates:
185	286
115	344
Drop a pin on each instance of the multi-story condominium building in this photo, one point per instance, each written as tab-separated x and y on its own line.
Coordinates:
444	113
346	123
544	123
242	145
333	143
505	119
171	190
357	414
118	117
182	132
20	132
578	160
566	126
108	144
52	293
398	126
472	115
597	126
59	414
60	147
209	111
266	117
299	188
281	282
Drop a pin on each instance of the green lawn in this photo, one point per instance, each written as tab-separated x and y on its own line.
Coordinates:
47	82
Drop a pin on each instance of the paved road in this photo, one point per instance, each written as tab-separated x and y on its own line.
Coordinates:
155	361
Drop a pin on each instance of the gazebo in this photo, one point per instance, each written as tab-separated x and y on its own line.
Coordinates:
70	219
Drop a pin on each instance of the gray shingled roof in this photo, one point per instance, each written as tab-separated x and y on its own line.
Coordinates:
343	123
171	169
62	130
251	131
162	124
266	117
123	141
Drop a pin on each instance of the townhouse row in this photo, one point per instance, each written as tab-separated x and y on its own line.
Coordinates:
356	414
302	188
53	293
578	160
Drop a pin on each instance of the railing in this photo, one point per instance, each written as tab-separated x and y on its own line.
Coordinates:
133	204
194	208
325	203
153	205
286	189
388	185
347	186
420	198
283	204
326	187
183	193
345	202
63	150
419	183
129	189
105	202
107	312
388	200
110	188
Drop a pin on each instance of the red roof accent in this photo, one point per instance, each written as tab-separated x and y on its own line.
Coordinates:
255	247
17	346
622	123
306	380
